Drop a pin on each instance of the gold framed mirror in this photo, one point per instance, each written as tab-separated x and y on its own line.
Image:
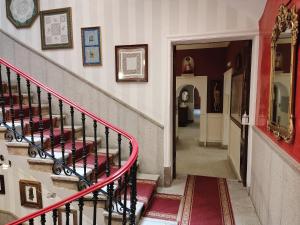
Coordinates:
283	73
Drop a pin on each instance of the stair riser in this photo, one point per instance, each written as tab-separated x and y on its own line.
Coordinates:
117	221
100	204
42	167
15	150
72	185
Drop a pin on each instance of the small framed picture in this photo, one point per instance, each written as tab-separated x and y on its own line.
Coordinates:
91	46
2	185
31	194
131	63
62	217
56	28
22	13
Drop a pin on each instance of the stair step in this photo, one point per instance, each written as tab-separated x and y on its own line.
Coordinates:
45	165
70	182
102	198
78	130
90	139
117	218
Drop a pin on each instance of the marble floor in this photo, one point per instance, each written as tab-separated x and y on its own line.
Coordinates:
196	160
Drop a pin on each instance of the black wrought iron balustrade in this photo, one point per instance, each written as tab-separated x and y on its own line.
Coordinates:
41	122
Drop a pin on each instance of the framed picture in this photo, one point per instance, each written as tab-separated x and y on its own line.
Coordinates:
132	63
237	84
56	28
22	13
215	96
73	219
2	185
91	46
31	194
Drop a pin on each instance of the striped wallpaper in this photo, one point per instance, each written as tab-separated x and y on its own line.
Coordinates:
138	21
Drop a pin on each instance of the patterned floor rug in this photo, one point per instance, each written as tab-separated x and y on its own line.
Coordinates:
206	201
164	207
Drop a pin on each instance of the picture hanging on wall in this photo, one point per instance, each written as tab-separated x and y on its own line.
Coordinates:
132	63
2	185
22	13
91	46
56	28
31	194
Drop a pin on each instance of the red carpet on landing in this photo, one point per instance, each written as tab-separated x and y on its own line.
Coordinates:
164	207
206	202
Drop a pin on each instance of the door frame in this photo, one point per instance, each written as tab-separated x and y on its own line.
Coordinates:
169	144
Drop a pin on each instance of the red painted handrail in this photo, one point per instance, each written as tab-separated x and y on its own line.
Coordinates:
125	168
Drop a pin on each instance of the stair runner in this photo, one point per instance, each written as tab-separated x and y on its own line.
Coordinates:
145	187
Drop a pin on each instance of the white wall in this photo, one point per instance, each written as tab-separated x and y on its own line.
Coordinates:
234	147
226	106
138	21
275	182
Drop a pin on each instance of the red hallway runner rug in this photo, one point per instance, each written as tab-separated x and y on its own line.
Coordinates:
206	202
164	207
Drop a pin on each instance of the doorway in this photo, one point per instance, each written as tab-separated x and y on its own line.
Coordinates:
205	151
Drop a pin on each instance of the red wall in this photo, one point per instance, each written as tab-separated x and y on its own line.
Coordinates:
265	27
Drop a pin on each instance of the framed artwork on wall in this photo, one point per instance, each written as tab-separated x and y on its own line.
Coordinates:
131	63
73	219
2	185
31	194
91	46
56	28
237	86
22	13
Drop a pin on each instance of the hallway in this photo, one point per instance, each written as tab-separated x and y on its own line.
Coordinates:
196	160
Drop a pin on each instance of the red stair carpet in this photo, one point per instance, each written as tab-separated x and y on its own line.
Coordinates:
206	202
164	207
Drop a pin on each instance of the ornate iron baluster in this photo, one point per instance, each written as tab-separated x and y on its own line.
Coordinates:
2	102
80	206
124	220
31	222
43	219
110	201
41	125
107	168
54	216
11	102
62	135
95	151
119	157
95	200
30	111
73	138
21	113
67	213
133	199
51	124
84	144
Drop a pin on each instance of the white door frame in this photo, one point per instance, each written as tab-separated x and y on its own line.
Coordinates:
208	38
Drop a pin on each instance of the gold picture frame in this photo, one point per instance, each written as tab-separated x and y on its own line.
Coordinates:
56	28
281	106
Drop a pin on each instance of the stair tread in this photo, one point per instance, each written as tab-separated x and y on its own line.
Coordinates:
69	127
89	139
73	177
145	176
112	151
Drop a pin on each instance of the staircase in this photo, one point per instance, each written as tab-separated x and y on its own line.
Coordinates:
76	149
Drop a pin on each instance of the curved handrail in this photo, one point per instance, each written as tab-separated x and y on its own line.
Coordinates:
126	167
